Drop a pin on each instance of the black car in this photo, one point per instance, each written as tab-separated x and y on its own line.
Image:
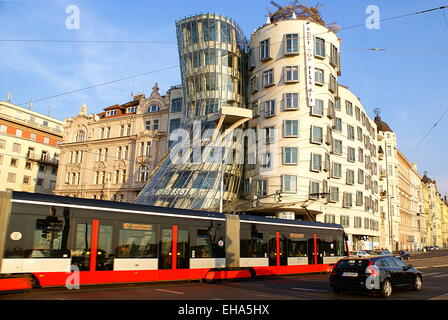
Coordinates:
374	274
402	254
429	249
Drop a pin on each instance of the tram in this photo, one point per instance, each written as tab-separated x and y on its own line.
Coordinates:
47	238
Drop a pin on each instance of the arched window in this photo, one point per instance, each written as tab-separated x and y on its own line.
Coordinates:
81	136
143	173
154	108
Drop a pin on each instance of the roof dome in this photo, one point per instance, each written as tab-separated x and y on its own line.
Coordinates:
381	125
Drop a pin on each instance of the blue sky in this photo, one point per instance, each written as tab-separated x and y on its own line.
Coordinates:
410	87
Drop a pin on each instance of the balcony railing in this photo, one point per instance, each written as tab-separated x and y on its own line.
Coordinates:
42	158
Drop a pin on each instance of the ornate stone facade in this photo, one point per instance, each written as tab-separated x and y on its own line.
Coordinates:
110	155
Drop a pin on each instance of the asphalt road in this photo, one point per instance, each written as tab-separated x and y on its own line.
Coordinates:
434	267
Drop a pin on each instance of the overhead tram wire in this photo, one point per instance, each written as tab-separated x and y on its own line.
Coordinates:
428	133
100	84
177	42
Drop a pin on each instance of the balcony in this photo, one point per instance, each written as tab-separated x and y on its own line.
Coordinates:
42	158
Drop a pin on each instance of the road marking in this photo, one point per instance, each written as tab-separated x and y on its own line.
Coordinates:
440	276
430	274
306	289
438	266
169	291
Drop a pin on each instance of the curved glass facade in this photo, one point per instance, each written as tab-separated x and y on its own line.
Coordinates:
213	57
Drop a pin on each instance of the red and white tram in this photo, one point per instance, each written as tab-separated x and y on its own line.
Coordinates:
47	238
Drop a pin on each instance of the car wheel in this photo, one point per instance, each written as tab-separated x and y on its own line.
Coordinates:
338	291
386	289
418	284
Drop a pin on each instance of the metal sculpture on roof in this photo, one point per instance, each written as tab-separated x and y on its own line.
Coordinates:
296	10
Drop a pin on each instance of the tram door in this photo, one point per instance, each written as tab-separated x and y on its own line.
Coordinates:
166	248
183	249
283	250
311	251
81	252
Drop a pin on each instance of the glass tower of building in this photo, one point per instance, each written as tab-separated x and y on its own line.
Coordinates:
213	57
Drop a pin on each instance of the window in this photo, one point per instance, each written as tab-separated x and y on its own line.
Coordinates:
121	130
111	113
3	128
46	140
28	165
154	108
291	101
11	177
350	132
270	134
137	241
337	147
16	147
334	55
125	152
349	108
317	134
148	125
254	84
361	155
264	50
268	78
269	108
174	124
292	74
290	128
210	57
320	47
357	113
333	84
128	130
291	44
14	163
266	161
334	194
360	134
19	133
289	183
26	179
351	154
330	218
253	245
119	153
33	137
316	162
42	168
345	221
314	189
337	170
359	198
143	173
2	144
289	155
40	182
347	203
319	76
176	105
338	124
358	222
156	125
318	108
350	177
337	103
262	188
360	176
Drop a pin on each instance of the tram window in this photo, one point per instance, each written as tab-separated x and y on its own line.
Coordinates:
137	244
255	247
333	246
105	255
298	248
42	238
208	244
